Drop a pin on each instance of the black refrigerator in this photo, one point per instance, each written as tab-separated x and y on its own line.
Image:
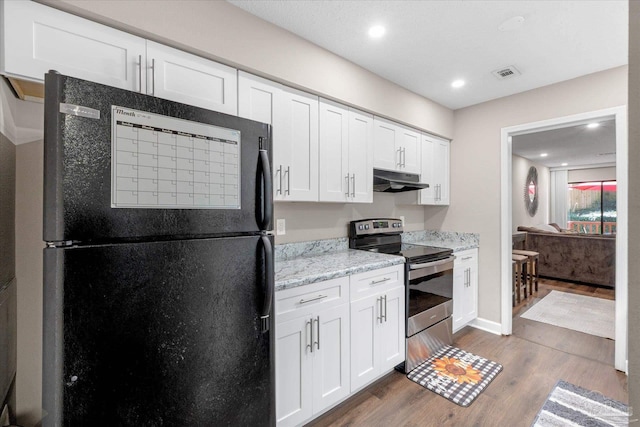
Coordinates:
158	270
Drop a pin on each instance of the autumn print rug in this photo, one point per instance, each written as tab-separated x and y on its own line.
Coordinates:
455	374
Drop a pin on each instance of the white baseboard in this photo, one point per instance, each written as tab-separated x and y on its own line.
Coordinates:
487	325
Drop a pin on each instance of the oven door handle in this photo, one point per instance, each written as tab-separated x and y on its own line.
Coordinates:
432	263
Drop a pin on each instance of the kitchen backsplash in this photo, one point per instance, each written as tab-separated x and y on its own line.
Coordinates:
314	247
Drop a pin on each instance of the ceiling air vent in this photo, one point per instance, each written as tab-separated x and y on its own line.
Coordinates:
506	72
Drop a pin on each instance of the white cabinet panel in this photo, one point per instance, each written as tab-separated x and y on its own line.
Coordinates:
346	169
361	156
435	170
294	372
335	179
37	38
465	288
312	349
256	97
190	79
295	146
377	324
396	147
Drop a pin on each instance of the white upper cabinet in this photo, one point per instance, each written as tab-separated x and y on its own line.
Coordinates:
346	169
396	147
294	117
190	79
435	170
37	38
295	146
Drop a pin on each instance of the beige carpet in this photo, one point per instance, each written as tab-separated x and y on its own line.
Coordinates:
594	316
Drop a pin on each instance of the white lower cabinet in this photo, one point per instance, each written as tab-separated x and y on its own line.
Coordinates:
377	323
465	288
312	349
333	338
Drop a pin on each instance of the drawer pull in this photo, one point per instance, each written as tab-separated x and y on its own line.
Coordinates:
375	282
319	297
466	258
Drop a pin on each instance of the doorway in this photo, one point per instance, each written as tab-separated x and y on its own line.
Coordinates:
620	116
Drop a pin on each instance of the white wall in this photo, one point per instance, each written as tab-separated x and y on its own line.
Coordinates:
592	174
520	216
475	162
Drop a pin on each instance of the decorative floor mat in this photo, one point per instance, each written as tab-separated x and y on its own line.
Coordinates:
455	374
570	405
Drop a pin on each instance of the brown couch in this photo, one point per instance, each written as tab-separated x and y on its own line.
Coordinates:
576	257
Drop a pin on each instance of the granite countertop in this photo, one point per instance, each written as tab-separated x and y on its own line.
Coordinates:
443	239
304	270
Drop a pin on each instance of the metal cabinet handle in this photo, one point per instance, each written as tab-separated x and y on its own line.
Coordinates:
347	178
385	308
318	332
288	181
375	282
466	258
140	72
399	162
153	77
310	334
379	302
353	185
404	157
279	173
319	297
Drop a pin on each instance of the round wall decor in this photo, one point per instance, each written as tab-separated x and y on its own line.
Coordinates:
531	191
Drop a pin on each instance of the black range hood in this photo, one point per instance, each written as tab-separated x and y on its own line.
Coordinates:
396	182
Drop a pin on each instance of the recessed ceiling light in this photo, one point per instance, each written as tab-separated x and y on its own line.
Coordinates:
377	31
593	125
544	155
458	83
565	164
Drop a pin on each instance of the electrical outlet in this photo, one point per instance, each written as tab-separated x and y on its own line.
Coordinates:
402	219
280	227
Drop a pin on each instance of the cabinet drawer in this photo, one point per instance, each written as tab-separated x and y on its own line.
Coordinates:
303	300
466	257
376	281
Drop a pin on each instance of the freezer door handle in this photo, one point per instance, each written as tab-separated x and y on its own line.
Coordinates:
267	196
269	282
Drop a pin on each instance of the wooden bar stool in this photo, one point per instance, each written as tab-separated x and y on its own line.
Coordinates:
520	263
533	267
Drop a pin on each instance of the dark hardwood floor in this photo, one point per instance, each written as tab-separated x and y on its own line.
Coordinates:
534	358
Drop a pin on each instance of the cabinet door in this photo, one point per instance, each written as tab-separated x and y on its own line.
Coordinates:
37	38
385	154
391	345
293	371
331	371
441	170
465	288
296	145
256	98
365	320
427	196
190	79
409	145
335	179
361	156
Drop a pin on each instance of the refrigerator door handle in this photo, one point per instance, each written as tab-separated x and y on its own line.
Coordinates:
267	201
269	282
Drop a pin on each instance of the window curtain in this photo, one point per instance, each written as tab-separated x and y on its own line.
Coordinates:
558	195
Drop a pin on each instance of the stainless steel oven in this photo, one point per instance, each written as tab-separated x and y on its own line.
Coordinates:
428	285
429	308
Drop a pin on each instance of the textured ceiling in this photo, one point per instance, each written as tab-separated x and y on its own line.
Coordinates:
428	44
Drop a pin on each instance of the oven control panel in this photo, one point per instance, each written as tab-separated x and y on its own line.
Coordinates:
375	226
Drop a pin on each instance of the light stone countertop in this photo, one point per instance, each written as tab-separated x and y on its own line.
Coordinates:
456	245
299	271
443	239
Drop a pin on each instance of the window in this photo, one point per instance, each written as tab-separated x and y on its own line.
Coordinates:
592	207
